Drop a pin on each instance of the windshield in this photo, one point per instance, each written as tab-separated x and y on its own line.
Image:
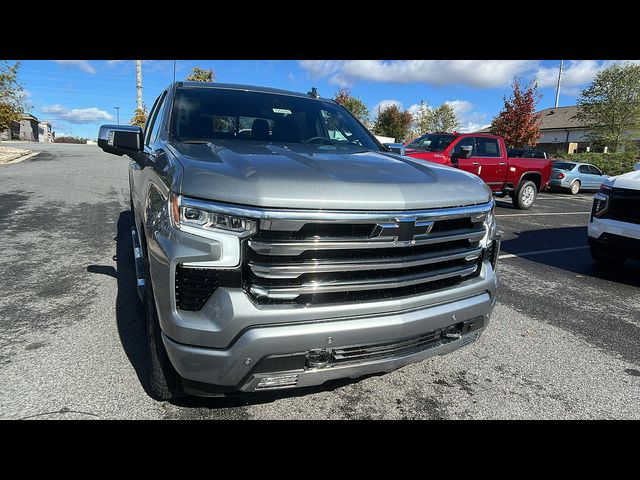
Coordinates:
207	114
564	165
432	142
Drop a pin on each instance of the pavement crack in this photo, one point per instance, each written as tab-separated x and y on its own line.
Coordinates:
63	410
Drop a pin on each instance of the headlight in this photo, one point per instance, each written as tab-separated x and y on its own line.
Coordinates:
491	229
199	217
601	202
223	230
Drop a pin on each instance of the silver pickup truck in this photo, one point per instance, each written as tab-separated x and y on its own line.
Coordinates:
278	244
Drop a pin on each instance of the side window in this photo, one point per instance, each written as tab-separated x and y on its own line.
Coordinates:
528	155
584	169
594	170
465	142
155	120
147	124
487	147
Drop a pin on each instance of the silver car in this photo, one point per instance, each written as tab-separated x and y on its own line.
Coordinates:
576	176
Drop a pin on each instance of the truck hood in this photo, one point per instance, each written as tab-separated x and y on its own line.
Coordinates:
320	177
629	180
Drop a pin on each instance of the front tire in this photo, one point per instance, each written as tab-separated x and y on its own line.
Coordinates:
525	196
164	381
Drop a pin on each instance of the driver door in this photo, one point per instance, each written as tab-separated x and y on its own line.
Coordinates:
468	164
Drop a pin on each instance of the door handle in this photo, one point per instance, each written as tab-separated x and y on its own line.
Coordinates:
475	163
502	163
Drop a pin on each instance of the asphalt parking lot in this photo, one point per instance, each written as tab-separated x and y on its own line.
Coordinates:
564	339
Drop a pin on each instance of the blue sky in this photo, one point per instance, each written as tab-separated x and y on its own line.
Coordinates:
79	95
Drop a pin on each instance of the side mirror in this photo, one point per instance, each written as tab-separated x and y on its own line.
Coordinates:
120	139
395	147
465	151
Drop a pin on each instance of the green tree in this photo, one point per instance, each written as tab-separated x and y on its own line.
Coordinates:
444	119
517	122
422	120
201	75
140	116
429	120
355	105
392	122
610	106
12	96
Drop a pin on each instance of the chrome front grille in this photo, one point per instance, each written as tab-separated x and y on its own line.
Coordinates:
342	257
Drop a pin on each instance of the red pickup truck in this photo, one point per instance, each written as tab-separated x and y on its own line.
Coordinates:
486	156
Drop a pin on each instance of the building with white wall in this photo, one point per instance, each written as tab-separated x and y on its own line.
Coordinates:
562	132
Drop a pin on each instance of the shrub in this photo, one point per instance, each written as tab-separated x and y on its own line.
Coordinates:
609	163
70	140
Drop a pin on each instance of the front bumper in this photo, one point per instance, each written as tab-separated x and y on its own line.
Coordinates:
235	367
226	343
621	237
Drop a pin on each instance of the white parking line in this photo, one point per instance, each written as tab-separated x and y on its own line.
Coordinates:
567	198
539	252
534	214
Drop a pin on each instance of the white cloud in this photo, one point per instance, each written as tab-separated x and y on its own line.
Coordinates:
82	65
470	120
383	104
473	73
413	109
292	78
470	127
460	106
575	74
77	115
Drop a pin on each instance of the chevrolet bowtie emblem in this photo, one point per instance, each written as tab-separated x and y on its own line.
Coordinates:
403	230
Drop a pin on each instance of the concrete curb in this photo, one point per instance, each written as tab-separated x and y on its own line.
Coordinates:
19	158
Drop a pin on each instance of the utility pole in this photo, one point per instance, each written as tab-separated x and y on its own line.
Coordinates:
139	83
118	114
559	81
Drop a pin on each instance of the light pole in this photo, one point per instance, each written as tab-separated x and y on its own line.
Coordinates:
118	114
559	82
139	84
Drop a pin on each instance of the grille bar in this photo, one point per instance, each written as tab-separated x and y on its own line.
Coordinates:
403	347
294	270
319	287
297	247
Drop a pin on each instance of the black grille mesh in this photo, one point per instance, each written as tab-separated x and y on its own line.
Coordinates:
194	286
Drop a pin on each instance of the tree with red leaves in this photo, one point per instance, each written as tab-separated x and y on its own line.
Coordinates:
517	123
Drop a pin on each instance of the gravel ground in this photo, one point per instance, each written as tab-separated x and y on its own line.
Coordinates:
562	343
8	153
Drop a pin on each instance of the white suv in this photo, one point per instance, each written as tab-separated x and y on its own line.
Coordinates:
614	227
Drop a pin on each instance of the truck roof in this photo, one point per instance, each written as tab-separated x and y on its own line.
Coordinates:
248	88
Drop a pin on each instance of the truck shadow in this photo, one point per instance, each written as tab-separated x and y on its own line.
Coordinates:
130	318
129	310
577	261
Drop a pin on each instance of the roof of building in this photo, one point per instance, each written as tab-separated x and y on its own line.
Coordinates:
28	116
560	118
555	119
